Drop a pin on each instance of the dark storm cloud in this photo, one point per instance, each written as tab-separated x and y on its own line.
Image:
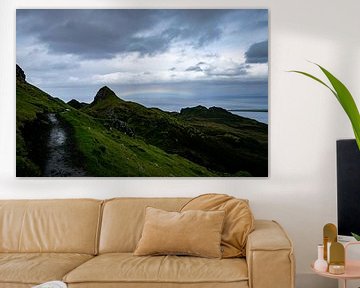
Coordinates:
257	53
87	33
105	33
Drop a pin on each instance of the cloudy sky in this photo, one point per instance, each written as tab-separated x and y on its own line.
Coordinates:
160	58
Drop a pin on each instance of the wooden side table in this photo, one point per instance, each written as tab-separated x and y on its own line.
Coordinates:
352	268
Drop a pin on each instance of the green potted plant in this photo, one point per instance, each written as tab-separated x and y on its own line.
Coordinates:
344	97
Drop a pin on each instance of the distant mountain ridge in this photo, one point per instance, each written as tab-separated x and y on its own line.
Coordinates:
76	104
114	137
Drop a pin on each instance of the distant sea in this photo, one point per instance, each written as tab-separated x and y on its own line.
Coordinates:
254	106
258	116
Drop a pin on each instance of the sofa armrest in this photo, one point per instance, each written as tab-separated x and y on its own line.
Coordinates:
269	256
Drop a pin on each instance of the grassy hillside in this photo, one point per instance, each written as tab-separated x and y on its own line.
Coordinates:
213	138
237	143
110	152
99	148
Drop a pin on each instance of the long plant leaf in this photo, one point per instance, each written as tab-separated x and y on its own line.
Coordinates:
316	79
344	97
347	102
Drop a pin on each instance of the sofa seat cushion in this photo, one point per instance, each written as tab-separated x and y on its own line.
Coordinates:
127	268
36	268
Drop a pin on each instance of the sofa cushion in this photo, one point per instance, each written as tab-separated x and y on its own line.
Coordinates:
239	220
36	268
193	232
123	220
63	226
126	268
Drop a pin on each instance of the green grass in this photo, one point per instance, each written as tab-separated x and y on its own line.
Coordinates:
112	153
30	101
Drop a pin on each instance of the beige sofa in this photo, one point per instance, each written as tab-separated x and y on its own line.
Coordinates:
89	243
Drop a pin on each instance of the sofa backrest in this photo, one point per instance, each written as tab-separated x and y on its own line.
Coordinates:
123	220
67	226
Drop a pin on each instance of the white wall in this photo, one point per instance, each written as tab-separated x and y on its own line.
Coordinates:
305	120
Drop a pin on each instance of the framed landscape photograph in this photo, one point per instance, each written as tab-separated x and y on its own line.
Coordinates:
135	92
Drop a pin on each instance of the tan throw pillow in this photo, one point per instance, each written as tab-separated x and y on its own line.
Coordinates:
196	233
239	220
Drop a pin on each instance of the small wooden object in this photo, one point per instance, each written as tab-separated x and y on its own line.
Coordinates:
330	236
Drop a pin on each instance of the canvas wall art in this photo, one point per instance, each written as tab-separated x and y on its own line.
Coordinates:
134	92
